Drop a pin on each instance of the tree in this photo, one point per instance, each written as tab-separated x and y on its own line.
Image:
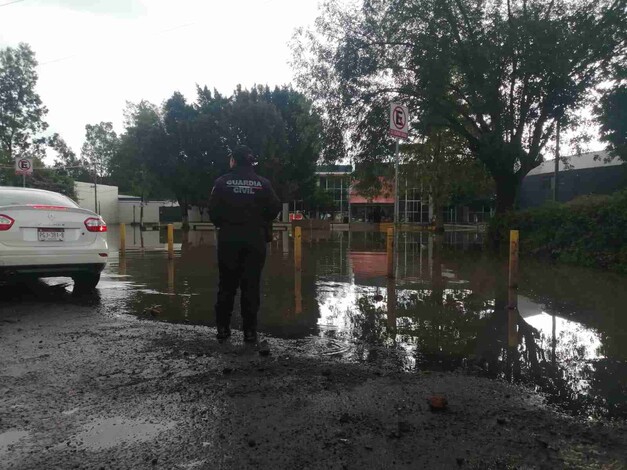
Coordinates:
101	144
129	167
499	74
21	110
179	149
442	165
66	162
281	128
612	114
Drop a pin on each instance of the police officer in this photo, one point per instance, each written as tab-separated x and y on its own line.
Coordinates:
242	206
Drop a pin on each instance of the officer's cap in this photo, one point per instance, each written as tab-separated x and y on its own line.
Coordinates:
243	155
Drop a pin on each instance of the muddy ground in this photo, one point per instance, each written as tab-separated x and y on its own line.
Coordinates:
83	388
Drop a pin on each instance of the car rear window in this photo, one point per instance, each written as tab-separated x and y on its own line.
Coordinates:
12	197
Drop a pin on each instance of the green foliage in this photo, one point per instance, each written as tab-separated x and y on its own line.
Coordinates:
612	114
181	148
590	231
498	74
139	146
51	180
21	110
66	162
321	200
101	144
442	165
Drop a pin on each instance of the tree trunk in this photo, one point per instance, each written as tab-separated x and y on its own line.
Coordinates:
184	215
141	214
506	190
438	213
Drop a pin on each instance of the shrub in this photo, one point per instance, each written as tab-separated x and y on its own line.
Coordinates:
590	231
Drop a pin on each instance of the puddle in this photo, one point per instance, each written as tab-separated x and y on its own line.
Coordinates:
112	432
445	310
10	438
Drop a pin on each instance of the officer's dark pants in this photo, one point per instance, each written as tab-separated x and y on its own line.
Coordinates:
241	256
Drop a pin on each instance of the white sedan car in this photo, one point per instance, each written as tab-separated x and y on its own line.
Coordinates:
46	234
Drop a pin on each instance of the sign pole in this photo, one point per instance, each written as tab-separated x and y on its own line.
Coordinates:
396	204
23	180
557	163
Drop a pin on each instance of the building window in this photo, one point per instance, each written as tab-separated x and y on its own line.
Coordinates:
337	187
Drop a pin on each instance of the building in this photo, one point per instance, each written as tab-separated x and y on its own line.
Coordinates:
336	180
154	212
117	208
102	199
588	173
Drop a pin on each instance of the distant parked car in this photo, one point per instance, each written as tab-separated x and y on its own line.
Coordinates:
46	234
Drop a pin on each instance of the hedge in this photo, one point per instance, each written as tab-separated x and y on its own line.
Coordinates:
588	231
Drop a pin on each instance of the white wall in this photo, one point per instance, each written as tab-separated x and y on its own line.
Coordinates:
107	200
195	214
151	211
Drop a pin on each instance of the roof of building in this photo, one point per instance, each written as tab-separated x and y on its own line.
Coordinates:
599	159
334	169
124	197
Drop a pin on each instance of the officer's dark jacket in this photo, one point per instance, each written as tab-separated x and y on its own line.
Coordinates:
243	198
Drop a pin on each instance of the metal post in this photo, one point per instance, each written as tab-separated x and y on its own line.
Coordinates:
95	188
390	252
286	212
298	254
406	221
23	180
298	291
122	239
170	276
396	204
170	241
512	304
348	195
557	162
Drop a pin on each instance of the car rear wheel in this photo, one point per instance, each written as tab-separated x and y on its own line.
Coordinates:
85	282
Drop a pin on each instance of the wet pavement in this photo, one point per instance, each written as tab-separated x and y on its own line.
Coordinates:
131	376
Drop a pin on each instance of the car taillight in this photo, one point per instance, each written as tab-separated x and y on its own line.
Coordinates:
95	225
6	222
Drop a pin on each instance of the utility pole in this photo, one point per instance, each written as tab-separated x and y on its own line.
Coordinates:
95	188
557	162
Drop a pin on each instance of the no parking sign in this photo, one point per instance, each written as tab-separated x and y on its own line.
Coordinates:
24	166
399	121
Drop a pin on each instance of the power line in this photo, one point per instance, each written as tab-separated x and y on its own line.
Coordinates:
10	3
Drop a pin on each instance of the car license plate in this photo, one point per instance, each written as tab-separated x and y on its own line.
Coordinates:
50	234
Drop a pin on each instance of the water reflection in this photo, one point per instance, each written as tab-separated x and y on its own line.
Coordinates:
446	310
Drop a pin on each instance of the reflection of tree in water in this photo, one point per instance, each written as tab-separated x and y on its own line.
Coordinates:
445	327
570	378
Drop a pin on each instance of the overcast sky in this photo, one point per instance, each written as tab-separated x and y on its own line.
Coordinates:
95	55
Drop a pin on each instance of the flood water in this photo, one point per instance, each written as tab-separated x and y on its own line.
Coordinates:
444	311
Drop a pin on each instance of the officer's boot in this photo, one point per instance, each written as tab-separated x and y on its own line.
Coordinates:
224	332
250	335
224	326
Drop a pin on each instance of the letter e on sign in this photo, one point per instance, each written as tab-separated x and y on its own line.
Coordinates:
23	166
399	121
